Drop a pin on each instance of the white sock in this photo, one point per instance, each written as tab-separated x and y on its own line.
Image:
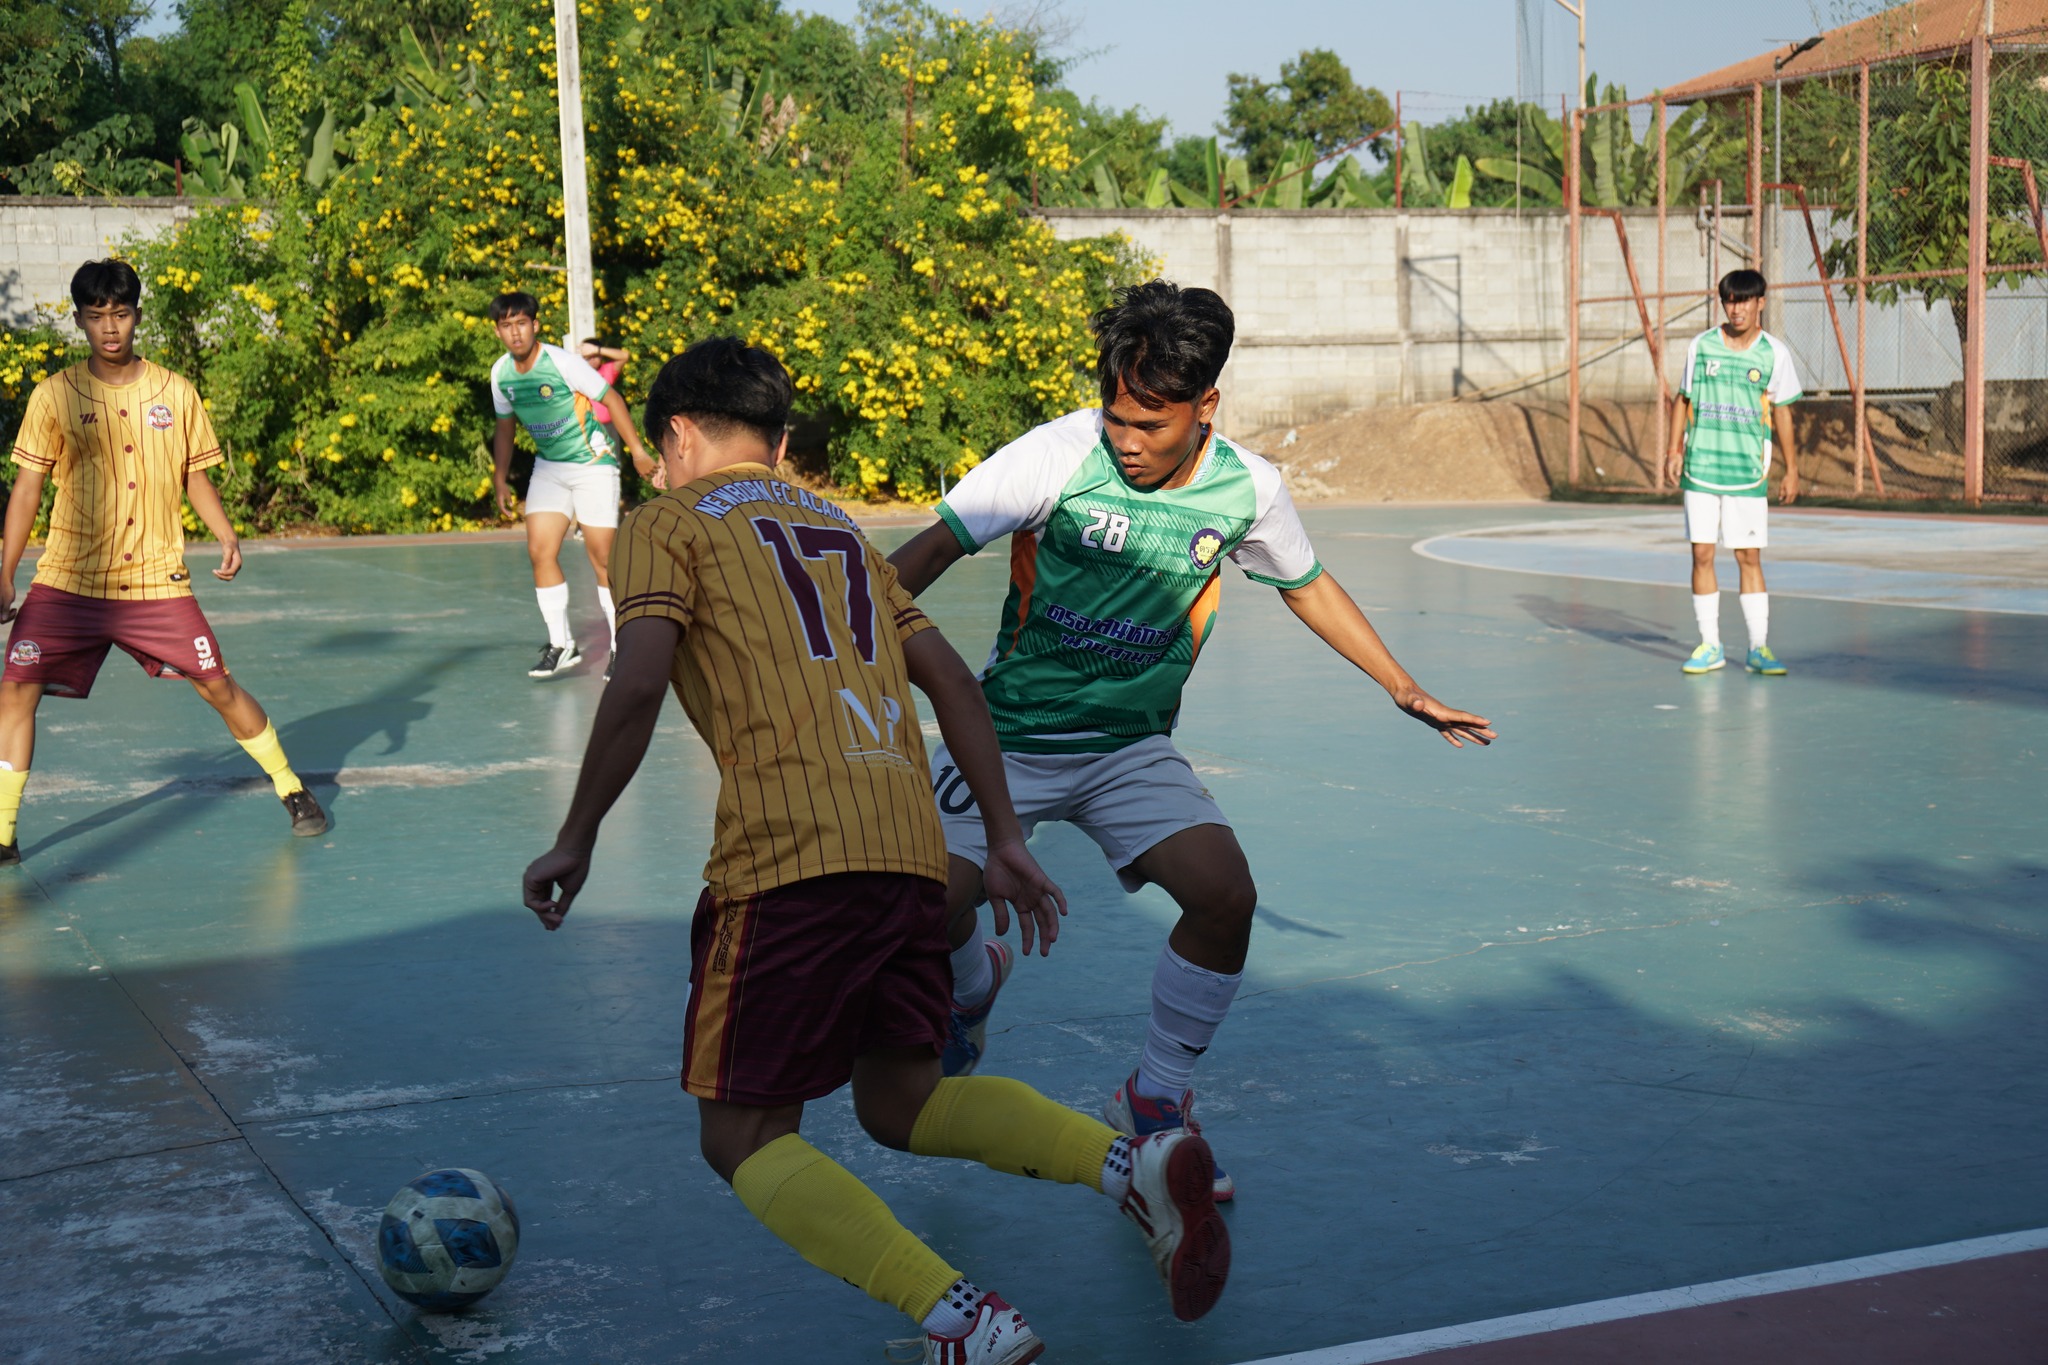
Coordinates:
611	613
954	1312
554	609
1188	1005
1756	614
1706	609
974	976
1116	1170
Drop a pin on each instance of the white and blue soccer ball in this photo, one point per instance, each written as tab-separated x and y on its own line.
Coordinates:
447	1239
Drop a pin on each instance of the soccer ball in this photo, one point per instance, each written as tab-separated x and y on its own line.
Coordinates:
447	1239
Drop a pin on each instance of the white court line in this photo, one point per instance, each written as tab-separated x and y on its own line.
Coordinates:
1412	1344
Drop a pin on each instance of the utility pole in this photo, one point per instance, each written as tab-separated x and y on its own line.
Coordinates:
575	185
1578	12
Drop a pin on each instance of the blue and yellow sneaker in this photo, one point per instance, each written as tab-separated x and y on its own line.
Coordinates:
1141	1116
1761	660
967	1030
1705	659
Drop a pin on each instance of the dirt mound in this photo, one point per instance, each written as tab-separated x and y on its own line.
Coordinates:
1431	452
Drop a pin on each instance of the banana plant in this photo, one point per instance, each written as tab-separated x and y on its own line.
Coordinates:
1420	187
422	81
1617	170
211	156
225	159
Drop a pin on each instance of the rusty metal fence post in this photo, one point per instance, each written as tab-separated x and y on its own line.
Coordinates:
1572	223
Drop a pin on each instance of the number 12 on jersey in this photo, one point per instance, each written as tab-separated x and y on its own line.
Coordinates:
794	544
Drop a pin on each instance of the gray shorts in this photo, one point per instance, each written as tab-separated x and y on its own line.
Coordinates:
1126	801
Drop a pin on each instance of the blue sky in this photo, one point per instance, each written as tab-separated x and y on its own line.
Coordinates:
1172	56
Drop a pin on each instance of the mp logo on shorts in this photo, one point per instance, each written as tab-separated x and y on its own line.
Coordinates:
203	647
869	740
25	652
160	416
1204	548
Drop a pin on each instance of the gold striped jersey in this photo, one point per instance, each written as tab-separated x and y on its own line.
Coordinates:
119	456
791	668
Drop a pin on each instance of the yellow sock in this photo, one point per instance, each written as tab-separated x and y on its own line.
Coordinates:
11	783
270	755
840	1226
1008	1126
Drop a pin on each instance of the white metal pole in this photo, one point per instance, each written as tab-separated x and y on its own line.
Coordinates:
1578	12
575	187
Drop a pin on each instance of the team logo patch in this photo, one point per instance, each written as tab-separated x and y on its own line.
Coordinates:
25	652
1203	549
547	390
1756	376
160	416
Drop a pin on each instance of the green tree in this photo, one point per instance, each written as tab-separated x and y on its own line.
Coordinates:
1315	100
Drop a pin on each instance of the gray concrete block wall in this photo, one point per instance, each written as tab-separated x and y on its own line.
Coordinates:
42	241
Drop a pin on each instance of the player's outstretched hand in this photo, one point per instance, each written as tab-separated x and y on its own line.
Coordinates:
230	562
1013	877
1454	725
563	868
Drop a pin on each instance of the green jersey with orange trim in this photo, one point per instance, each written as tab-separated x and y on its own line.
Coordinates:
1731	393
1113	588
543	398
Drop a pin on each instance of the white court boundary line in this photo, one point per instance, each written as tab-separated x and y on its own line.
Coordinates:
1423	548
1413	1344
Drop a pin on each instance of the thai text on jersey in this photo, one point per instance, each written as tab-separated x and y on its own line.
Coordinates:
1728	433
544	401
1113	589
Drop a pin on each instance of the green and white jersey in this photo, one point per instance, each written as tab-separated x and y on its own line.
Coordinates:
1728	434
544	401
1113	589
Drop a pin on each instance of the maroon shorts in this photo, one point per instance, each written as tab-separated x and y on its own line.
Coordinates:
60	639
789	986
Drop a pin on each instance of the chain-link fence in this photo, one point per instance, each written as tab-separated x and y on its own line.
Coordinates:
1919	327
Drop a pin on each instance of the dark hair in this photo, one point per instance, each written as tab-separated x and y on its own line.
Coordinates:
1740	285
722	384
1164	343
514	304
101	283
592	341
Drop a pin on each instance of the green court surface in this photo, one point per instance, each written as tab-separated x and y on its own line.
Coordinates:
1684	979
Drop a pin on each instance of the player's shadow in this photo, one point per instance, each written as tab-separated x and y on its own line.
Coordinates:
1965	656
1604	623
319	746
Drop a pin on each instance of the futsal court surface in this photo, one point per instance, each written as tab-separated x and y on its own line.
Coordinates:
1699	1019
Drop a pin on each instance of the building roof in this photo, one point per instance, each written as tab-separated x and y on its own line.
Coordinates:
1914	26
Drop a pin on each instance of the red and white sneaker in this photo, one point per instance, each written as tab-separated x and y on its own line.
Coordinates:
1173	1202
1136	1115
1000	1336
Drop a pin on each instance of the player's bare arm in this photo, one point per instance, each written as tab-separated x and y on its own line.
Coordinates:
1011	876
22	505
1325	608
205	500
501	466
1674	450
920	560
623	420
1781	427
618	741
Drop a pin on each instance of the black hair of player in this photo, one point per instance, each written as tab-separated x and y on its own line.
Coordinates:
724	386
1739	286
515	304
1163	343
106	284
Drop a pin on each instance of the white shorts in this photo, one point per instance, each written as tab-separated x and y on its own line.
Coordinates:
1126	801
587	494
1737	523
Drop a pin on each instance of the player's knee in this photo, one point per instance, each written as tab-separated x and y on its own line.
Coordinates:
1231	903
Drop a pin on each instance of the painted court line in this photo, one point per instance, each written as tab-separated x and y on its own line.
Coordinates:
1412	1344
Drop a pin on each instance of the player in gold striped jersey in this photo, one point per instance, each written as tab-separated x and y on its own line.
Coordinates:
128	443
819	948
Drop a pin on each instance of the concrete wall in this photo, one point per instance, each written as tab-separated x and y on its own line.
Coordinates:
42	241
1339	309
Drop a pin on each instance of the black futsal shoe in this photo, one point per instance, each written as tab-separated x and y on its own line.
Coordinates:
10	853
555	660
308	820
611	662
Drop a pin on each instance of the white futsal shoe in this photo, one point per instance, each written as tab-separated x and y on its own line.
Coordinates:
1173	1202
999	1336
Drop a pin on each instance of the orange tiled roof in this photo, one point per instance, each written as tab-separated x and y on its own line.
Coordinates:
1908	27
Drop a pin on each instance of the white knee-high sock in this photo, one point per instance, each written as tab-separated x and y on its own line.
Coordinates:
1756	614
1188	1005
611	613
1706	609
974	976
554	609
